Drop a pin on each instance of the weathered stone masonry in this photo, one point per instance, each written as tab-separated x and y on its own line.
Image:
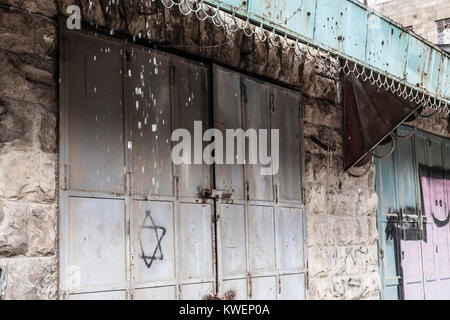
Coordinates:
341	210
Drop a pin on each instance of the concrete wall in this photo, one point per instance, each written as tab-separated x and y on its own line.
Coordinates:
341	210
420	14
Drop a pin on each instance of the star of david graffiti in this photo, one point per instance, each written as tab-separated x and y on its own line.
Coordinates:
148	225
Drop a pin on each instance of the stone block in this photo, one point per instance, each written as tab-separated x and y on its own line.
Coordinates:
30	278
14	218
27	176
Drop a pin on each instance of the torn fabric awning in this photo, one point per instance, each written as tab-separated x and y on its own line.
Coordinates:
371	115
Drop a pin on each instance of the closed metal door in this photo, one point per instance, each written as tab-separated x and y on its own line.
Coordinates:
136	226
93	201
260	229
414	237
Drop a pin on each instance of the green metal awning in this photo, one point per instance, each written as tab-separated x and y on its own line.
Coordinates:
367	41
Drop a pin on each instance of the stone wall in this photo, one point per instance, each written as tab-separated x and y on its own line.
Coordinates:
421	15
341	210
28	160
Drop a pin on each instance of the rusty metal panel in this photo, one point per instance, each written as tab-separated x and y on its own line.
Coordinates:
154	242
190	101
97	243
296	16
353	31
386	46
96	137
416	60
445	78
286	118
228	115
196	236
342	25
261	239
432	71
148	94
256	117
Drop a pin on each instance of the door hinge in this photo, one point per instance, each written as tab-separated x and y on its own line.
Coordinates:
272	103
128	63
65	180
244	92
172	79
250	286
279	285
247	190
177	183
307	280
128	182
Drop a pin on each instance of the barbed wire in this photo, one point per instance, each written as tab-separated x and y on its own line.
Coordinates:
278	38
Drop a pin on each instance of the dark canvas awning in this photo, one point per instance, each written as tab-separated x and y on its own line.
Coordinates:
370	116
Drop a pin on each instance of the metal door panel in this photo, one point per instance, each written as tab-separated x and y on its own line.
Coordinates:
389	253
437	199
429	259
148	94
443	252
97	242
261	239
412	268
196	291
390	293
425	266
430	276
154	242
292	287
286	118
190	101
264	288
388	228
196	241
160	293
444	292
236	287
228	115
96	153
290	240
110	295
415	291
407	203
257	116
232	239
431	289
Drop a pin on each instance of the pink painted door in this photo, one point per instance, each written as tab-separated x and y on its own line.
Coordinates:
434	183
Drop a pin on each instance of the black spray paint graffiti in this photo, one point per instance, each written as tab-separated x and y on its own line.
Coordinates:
433	190
149	225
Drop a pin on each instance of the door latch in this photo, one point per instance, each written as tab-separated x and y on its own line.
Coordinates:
224	195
